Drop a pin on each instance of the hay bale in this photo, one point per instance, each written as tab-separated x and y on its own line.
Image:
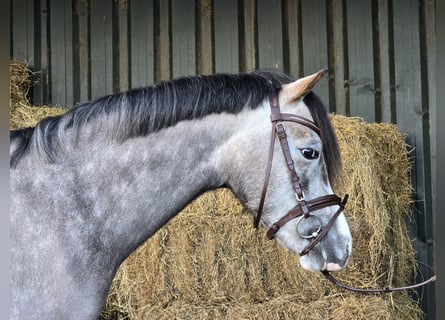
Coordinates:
21	113
20	81
24	116
209	262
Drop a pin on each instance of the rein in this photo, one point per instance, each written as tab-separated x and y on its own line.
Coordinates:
331	278
304	207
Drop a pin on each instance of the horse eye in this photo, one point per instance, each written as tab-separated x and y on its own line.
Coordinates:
309	153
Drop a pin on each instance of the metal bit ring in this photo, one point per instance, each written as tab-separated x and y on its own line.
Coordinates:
316	229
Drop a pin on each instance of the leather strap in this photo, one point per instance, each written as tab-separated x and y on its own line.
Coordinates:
331	278
257	218
312	205
294	118
325	230
276	118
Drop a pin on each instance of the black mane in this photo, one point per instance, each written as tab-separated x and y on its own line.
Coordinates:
141	111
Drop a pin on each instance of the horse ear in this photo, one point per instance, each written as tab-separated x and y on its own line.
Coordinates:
299	88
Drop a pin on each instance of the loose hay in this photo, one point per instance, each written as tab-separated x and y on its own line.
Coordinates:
209	262
22	114
20	81
28	116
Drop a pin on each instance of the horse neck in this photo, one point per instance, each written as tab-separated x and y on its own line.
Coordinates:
135	187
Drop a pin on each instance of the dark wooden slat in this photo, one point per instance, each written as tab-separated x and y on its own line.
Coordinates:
121	36
61	53
81	48
248	36
183	38
338	101
413	119
163	27
101	48
361	60
384	69
226	36
18	30
142	43
315	51
292	41
428	37
23	31
204	45
427	63
42	88
270	39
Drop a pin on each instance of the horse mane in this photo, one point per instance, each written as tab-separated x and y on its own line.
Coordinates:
331	150
142	111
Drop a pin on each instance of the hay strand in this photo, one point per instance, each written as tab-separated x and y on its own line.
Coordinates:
20	81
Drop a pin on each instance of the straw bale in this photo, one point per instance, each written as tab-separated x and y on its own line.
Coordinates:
209	262
20	81
25	116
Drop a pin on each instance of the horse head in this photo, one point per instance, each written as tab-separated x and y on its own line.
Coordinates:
297	203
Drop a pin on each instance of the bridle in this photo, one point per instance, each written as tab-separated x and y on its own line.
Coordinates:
303	209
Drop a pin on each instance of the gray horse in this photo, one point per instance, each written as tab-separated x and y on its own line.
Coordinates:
88	187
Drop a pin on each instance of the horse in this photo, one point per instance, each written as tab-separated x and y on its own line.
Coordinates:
89	186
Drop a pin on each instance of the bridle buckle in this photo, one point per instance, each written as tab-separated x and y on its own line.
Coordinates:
300	197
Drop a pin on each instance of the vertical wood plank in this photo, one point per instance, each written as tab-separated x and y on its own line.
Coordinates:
163	39
360	59
183	38
205	42
338	98
413	118
42	88
122	37
81	48
427	73
384	70
226	36
142	43
292	40
61	53
315	51
22	31
248	36
101	48
270	34
428	37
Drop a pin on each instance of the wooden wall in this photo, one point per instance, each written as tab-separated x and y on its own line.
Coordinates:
380	55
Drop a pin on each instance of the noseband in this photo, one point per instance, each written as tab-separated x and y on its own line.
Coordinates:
303	209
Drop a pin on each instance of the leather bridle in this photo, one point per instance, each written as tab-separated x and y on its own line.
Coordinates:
304	207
